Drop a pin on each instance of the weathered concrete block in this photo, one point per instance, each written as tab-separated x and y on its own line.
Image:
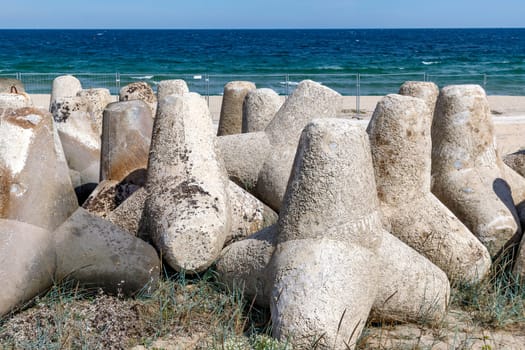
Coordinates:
516	161
274	174
79	137
170	87
329	222
103	199
6	85
139	91
244	156
126	139
109	194
98	254
97	100
410	288
404	293
231	109
187	208
129	213
64	86
330	249
248	214
14	101
259	108
244	264
309	100
27	263
425	90
35	187
465	166
399	134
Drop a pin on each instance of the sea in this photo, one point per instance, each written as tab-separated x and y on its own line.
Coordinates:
352	61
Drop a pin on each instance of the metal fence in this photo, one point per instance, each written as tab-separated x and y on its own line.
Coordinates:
347	84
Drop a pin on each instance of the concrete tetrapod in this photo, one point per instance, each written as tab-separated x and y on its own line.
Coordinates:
466	169
35	187
247	213
425	90
27	263
516	161
329	248
230	121
79	136
14	101
128	214
244	264
244	156
170	87
98	254
399	133
140	91
404	293
126	138
263	161
186	210
6	85
64	86
259	108
322	228
97	99
309	100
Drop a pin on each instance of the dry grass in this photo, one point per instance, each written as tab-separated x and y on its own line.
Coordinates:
189	312
198	313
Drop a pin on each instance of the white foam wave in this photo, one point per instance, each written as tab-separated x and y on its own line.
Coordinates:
143	77
290	83
427	63
331	67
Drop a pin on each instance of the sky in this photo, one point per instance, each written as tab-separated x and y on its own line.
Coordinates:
261	13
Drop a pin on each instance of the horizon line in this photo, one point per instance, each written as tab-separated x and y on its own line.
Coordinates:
256	28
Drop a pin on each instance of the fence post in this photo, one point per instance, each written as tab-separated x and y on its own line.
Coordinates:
207	80
484	81
117	83
357	95
287	84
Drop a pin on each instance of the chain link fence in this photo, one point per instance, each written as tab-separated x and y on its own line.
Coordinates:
352	84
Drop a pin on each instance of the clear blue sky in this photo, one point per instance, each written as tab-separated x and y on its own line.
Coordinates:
261	13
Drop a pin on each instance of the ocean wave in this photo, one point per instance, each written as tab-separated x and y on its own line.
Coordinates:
290	83
427	63
331	67
143	77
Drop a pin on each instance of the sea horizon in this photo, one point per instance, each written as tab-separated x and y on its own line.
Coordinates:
350	60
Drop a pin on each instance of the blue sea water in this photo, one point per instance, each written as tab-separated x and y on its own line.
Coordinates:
365	61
